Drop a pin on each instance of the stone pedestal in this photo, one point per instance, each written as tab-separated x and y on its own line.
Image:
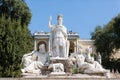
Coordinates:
36	73
60	65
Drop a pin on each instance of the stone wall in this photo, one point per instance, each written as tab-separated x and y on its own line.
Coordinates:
57	78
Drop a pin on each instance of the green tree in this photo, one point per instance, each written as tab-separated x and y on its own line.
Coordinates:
98	31
15	37
107	38
16	9
116	29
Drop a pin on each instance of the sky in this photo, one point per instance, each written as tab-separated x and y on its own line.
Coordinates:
81	16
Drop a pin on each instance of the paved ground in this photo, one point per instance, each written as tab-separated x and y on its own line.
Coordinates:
115	75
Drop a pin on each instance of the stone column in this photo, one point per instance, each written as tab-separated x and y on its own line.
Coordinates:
75	47
35	45
49	45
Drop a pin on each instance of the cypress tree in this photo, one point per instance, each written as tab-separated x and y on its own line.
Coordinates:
15	37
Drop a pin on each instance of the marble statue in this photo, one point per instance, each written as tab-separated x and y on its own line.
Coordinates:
58	39
77	58
89	58
87	67
27	59
57	68
38	60
98	58
57	59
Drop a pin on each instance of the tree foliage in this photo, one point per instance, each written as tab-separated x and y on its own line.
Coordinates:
15	37
107	38
116	29
15	9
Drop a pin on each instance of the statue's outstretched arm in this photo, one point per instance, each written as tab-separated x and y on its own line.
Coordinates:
49	22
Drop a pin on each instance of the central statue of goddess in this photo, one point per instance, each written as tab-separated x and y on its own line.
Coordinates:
58	39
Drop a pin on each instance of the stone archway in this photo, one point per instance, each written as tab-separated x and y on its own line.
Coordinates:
41	42
71	49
